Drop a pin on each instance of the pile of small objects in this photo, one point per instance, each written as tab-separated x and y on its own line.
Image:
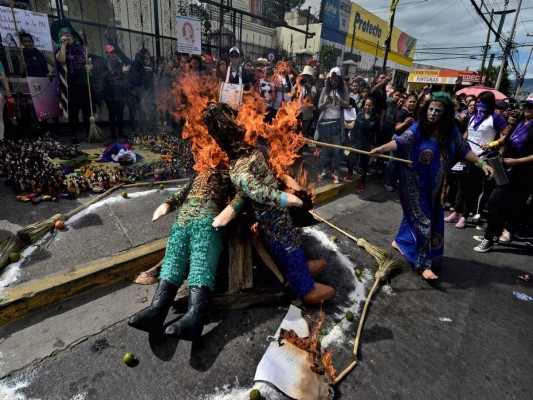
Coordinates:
28	167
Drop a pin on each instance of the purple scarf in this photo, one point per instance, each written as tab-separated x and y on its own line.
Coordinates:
519	136
480	115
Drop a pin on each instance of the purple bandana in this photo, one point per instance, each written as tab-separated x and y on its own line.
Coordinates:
480	115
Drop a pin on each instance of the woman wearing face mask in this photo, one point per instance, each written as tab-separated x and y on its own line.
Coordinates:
483	128
434	145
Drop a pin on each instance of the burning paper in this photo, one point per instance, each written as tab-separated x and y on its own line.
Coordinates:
288	368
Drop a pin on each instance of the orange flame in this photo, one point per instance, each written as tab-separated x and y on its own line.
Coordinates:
191	98
321	362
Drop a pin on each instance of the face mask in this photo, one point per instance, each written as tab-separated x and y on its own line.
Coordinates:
437	111
481	114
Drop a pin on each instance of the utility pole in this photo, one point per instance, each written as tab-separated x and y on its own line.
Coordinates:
393	5
307	27
485	49
521	78
508	46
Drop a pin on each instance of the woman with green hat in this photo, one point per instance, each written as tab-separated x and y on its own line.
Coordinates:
71	64
434	145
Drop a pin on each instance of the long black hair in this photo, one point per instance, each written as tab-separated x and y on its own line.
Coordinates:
443	128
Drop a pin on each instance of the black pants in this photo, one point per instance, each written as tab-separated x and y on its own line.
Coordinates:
506	205
116	116
78	99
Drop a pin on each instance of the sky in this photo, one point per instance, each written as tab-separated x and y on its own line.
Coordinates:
449	24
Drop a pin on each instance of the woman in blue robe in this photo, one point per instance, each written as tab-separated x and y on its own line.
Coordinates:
434	145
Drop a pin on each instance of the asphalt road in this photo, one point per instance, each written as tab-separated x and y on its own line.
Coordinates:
468	338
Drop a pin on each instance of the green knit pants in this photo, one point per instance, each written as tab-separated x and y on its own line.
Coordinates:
195	247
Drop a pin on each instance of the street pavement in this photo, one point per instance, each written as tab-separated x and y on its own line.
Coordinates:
467	338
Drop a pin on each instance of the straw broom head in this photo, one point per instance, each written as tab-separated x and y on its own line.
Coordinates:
26	236
377	252
95	134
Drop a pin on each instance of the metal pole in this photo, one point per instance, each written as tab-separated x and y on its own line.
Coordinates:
508	46
521	79
353	37
486	48
220	28
393	5
156	30
307	27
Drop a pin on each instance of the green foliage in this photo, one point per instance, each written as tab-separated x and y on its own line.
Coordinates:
492	77
327	58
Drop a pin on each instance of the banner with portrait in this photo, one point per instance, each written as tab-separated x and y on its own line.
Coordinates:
43	96
189	35
34	23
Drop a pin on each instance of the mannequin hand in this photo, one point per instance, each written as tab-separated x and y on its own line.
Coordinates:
161	211
294	201
224	217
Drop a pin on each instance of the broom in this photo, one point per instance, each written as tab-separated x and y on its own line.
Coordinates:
95	134
386	263
30	234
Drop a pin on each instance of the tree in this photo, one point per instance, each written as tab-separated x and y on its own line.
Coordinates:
327	58
492	77
276	9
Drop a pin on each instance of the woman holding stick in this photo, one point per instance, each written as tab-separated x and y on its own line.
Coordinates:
433	144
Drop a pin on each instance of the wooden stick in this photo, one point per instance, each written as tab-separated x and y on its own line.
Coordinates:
345	372
98	198
129	185
318	217
363	315
354	150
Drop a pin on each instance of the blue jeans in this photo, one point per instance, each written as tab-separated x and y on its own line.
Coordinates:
330	132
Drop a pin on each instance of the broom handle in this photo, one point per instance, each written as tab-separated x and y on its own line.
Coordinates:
12	6
353	149
156	183
97	198
318	217
88	79
345	372
363	315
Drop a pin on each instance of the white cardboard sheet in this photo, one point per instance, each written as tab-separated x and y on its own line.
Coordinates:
287	367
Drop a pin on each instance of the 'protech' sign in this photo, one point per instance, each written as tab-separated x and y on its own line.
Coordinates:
367	26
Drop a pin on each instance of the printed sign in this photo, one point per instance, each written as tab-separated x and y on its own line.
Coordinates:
189	35
34	23
44	99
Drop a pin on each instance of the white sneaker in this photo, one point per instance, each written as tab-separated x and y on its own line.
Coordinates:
388	188
476	218
324	174
506	237
484	246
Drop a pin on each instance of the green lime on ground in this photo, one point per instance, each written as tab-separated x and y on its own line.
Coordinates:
334	238
14	256
255	394
357	272
129	358
161	187
349	315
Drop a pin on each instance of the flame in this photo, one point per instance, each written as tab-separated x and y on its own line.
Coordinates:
321	362
191	99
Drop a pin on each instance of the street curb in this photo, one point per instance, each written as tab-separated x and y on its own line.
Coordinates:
21	300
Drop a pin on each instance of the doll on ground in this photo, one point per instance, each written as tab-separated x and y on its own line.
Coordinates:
192	252
251	173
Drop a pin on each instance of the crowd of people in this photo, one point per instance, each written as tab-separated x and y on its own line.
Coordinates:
447	137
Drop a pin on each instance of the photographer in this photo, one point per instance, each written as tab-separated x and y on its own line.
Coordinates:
306	93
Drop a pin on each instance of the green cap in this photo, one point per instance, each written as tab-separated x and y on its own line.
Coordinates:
443	97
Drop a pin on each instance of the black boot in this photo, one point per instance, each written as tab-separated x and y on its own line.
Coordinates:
190	326
151	319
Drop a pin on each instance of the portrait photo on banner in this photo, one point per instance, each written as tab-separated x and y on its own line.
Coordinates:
189	35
